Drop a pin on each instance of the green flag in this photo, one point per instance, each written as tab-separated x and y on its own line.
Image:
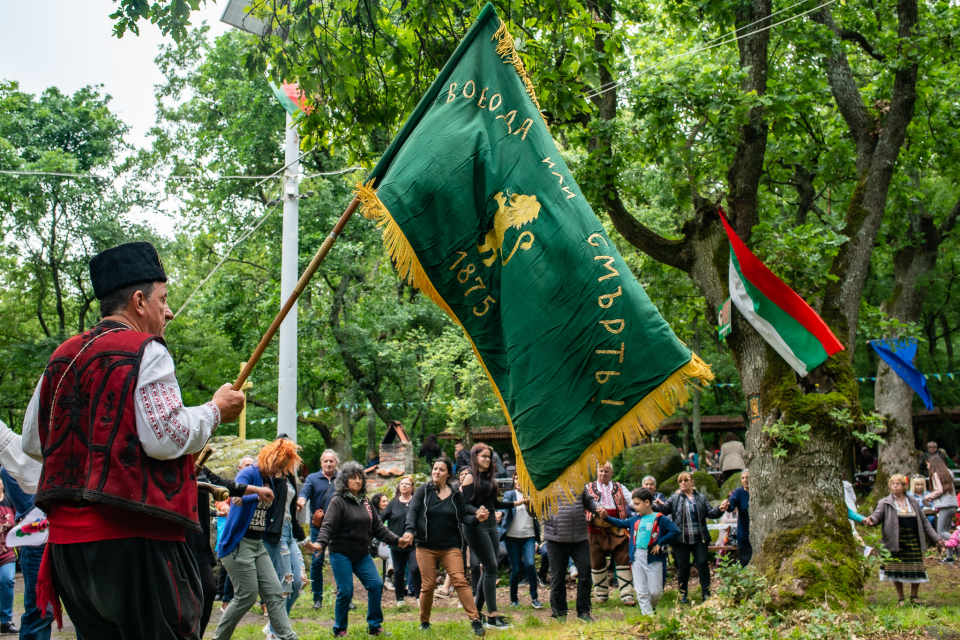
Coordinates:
481	213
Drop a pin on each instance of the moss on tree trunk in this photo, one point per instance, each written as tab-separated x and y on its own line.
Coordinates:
797	515
817	563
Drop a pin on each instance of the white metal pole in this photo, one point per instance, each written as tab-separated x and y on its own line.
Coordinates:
289	274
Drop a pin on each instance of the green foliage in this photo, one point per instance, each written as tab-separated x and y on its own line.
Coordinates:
52	225
670	630
874	426
741	583
784	435
173	17
656	459
798	254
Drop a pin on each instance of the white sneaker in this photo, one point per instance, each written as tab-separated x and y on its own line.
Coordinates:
267	634
401	604
573	572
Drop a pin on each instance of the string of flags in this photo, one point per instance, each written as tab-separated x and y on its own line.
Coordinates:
939	376
318	410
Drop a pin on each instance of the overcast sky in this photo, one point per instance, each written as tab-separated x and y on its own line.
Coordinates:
73	46
69	44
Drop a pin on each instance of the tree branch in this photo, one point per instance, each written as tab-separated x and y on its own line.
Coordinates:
847	94
855	36
951	220
669	252
349	361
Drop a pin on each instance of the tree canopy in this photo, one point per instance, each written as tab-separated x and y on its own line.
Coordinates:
825	129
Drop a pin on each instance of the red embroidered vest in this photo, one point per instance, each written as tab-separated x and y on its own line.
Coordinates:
595	525
88	430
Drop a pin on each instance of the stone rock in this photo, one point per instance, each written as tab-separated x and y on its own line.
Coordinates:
228	451
659	460
939	632
704	482
731	483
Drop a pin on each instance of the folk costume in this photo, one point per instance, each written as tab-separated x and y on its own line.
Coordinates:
905	532
609	541
108	422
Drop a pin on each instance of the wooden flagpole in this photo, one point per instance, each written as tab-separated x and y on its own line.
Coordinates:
297	290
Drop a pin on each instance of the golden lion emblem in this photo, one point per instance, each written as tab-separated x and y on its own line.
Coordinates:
520	211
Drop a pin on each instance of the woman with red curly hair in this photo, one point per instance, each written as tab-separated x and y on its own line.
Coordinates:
241	548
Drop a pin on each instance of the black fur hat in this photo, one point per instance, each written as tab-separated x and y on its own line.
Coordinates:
123	266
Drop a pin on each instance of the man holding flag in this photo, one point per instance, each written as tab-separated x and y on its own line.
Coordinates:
115	439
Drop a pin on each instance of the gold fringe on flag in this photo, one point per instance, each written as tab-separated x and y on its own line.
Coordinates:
636	424
508	53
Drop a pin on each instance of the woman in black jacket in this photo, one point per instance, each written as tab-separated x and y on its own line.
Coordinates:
481	495
689	510
395	515
434	517
349	524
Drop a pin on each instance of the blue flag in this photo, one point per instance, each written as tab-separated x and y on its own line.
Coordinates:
900	354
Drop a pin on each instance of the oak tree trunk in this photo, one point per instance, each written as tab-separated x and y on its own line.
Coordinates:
913	261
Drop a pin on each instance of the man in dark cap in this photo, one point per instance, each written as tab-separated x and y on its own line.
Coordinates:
118	486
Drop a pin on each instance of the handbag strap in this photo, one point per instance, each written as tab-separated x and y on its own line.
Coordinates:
326	495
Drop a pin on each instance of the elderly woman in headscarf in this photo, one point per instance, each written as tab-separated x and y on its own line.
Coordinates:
905	534
349	525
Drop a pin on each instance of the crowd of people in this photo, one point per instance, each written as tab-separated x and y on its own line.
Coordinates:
115	515
453	522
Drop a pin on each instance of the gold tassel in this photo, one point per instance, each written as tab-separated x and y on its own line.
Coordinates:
508	53
634	425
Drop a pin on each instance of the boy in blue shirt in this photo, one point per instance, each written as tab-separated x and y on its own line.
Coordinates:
650	533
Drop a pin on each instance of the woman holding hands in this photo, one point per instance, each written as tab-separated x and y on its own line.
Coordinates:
395	515
905	534
349	525
481	494
241	549
433	519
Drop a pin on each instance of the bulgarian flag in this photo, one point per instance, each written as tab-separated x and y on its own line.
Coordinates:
290	97
775	310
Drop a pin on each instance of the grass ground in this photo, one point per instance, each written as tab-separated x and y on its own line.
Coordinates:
881	620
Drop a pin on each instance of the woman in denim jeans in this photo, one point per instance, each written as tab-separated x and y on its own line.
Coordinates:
521	533
281	540
350	523
241	549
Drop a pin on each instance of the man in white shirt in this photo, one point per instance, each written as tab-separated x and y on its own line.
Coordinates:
611	497
118	484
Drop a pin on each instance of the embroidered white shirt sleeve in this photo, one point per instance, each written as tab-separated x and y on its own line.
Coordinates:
166	428
31	427
24	469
